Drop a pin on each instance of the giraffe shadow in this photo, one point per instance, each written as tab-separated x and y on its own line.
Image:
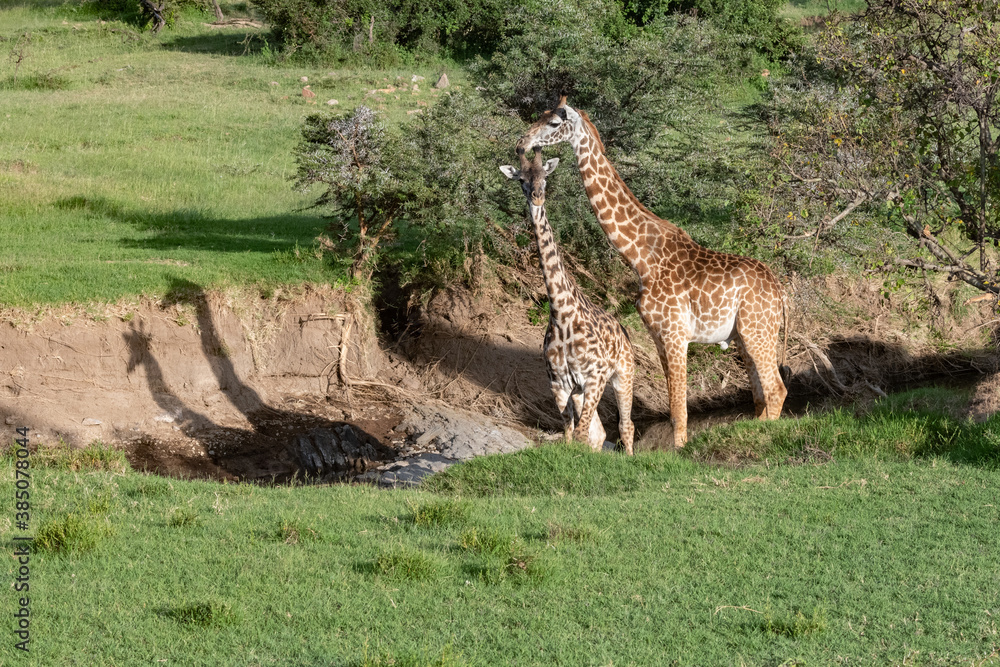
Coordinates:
277	446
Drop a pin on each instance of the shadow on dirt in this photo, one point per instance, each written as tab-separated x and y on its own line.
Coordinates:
468	342
281	446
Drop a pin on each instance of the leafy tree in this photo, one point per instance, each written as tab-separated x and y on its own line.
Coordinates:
629	80
418	198
350	155
382	29
756	24
897	111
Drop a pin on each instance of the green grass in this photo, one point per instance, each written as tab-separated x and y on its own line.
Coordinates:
183	516
73	531
876	555
914	424
133	161
204	614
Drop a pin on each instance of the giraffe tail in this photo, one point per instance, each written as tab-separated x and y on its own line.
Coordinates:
783	370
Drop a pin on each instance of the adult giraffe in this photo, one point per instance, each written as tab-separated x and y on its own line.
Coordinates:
688	294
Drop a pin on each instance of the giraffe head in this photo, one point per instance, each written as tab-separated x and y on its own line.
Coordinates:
555	126
531	175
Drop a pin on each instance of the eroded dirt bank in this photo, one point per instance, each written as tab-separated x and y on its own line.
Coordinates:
236	386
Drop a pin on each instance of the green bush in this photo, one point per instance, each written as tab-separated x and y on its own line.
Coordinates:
382	32
418	199
755	23
632	82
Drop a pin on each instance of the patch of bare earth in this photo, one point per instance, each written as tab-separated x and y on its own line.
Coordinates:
231	385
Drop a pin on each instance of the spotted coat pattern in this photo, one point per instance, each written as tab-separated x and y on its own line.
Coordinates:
584	347
688	293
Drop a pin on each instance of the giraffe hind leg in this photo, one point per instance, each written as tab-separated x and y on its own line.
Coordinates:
759	404
769	391
622	384
589	419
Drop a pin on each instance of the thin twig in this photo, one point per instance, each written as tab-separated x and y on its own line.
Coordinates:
728	606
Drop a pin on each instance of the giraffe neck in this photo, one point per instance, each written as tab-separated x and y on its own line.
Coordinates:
632	228
558	284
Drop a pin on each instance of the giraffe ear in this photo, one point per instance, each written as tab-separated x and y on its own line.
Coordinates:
510	172
550	165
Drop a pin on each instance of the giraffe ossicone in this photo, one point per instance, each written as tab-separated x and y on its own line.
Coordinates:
584	347
688	294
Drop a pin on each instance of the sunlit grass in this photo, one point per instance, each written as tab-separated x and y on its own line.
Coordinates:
161	158
858	559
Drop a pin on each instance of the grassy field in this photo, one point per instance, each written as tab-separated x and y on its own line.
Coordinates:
549	556
131	160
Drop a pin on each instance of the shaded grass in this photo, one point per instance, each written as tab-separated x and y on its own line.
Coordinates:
211	614
919	424
145	486
795	626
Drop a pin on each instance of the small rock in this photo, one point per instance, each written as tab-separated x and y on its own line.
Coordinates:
164	418
415	78
332	102
274	83
10	421
90	421
442	82
413	111
416	88
304	79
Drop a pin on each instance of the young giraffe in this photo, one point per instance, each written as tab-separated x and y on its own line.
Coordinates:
688	293
584	346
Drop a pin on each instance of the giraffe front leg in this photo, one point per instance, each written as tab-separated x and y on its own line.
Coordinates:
677	386
673	356
578	408
562	395
589	419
